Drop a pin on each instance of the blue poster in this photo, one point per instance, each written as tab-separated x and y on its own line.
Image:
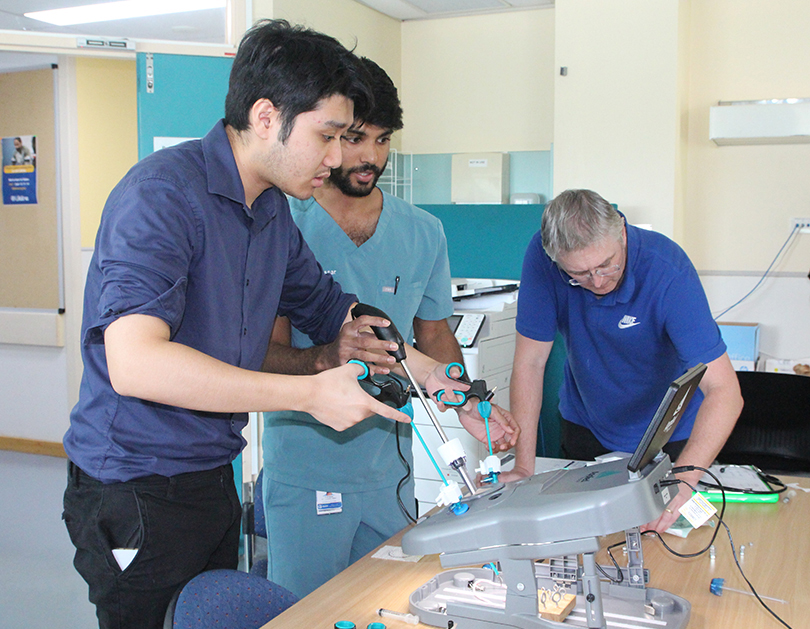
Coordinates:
20	170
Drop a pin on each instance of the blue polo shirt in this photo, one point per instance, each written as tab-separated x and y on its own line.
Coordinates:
177	242
625	348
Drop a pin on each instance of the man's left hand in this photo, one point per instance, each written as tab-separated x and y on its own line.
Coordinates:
437	380
503	429
671	513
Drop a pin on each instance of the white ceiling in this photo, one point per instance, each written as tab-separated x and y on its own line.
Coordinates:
208	26
426	9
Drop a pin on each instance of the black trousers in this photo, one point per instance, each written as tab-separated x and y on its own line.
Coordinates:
181	526
580	444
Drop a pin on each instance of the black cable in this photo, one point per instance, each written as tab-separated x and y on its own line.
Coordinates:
404	479
689	468
606	575
766	478
750	586
619	572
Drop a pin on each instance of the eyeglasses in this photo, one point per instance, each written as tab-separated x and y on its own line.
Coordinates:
578	279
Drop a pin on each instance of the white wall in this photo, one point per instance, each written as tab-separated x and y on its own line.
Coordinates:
780	306
479	83
616	123
740	198
34	392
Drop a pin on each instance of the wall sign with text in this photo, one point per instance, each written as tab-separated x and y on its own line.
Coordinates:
20	170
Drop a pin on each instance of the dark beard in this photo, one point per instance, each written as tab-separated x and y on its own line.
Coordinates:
340	178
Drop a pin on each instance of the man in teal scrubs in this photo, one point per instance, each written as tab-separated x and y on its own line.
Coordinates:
331	497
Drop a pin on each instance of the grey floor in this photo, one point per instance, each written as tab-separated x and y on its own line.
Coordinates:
39	587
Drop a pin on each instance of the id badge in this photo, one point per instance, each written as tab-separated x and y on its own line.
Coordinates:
327	502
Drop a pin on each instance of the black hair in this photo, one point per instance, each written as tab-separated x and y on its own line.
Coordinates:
294	68
387	111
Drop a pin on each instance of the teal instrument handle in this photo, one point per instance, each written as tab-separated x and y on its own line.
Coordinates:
462	402
363	375
458	393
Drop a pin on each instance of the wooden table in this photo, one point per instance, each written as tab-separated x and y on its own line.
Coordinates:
776	561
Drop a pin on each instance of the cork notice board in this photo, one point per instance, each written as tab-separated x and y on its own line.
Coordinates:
29	234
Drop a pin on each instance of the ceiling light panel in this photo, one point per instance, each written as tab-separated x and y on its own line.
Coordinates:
122	10
454	6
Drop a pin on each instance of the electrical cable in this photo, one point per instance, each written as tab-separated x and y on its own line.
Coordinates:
689	468
620	577
750	586
404	479
767	478
762	279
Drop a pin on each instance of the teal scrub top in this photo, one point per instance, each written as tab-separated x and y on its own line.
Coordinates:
402	269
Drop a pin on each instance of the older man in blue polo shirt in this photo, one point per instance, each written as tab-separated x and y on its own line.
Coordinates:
632	312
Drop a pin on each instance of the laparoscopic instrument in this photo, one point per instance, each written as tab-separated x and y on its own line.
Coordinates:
718	586
451	450
491	466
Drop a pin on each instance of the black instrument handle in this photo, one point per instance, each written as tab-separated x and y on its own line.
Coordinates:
389	333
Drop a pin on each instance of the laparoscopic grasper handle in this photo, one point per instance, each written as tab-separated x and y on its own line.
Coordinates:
391	334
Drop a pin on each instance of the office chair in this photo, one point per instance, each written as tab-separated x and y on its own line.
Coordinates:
254	526
773	431
227	598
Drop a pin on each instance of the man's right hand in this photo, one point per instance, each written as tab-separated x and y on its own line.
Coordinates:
339	402
356	340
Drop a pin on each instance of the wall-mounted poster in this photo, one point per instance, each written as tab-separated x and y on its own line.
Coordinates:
20	170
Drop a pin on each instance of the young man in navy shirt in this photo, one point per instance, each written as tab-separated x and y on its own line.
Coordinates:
632	312
196	254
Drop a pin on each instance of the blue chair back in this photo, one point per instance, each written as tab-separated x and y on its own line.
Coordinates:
228	598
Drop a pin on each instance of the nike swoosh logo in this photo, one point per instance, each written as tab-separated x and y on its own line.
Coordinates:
624	326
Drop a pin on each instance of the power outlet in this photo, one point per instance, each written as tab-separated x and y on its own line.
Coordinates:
802	225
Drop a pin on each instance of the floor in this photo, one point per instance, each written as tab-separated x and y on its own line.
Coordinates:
39	588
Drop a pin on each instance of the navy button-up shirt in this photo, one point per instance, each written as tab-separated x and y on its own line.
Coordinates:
177	242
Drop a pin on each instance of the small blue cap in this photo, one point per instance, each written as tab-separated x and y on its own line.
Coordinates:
375	625
716	586
459	508
344	624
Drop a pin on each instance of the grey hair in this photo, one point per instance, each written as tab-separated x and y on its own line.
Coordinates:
576	219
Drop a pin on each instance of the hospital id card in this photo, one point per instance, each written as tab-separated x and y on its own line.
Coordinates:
327	502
